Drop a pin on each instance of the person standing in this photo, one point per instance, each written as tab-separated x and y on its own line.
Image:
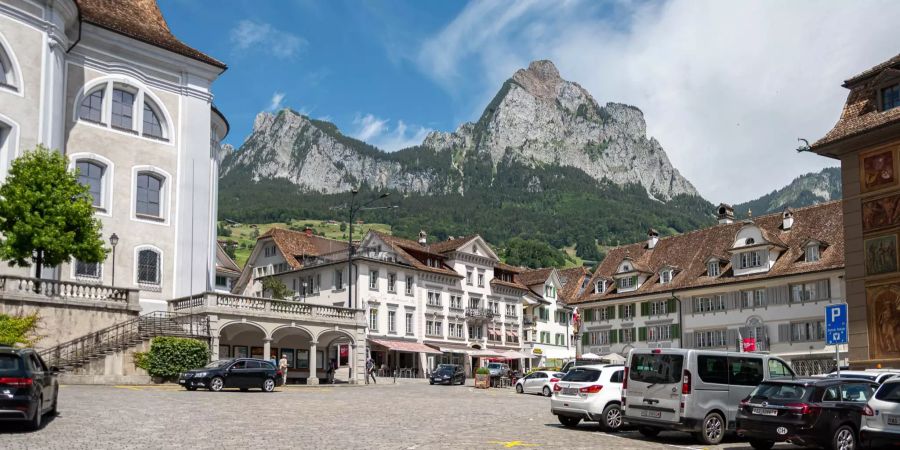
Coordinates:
332	367
370	370
283	366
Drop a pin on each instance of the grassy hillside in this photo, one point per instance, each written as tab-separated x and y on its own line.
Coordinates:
245	234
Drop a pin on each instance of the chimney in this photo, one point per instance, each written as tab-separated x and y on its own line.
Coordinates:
725	213
308	232
787	219
423	237
652	238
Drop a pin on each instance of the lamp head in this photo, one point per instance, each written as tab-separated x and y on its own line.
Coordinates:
114	239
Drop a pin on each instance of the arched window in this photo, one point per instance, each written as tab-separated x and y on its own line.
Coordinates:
152	125
149	195
122	109
4	71
7	72
149	267
92	107
90	174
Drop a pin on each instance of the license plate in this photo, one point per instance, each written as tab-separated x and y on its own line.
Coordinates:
765	411
653	414
892	420
570	391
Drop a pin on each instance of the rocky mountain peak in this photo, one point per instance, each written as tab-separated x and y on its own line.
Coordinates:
541	79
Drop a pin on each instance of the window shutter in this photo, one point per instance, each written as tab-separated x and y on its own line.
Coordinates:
771	296
674	330
783	294
784	332
688	340
585	339
823	289
693	305
613	336
645	309
621	312
731	337
620	335
642	334
611	312
670	305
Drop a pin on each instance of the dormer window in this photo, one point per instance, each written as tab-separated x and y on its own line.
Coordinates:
626	268
750	259
665	277
712	268
600	287
812	252
890	97
627	282
750	241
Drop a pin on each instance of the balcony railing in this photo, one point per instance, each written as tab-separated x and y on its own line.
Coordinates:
13	286
528	320
479	313
226	303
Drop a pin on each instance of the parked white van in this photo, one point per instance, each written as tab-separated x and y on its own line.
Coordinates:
695	391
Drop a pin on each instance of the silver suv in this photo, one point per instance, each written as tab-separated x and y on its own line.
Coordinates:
498	369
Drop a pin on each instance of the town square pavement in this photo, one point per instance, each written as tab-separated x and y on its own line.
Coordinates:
410	415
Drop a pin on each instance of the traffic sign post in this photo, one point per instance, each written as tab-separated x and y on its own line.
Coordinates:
836	330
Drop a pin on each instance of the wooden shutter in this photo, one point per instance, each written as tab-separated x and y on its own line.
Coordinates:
674	331
732	300
612	336
620	335
688	340
823	289
670	305
645	308
693	305
784	332
611	312
642	334
589	315
621	311
731	337
585	338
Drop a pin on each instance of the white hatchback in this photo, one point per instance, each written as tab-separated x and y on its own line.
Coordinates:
539	382
590	393
880	425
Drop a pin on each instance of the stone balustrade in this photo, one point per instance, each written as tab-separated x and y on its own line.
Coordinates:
39	289
250	306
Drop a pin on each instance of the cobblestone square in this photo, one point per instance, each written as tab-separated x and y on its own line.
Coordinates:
384	416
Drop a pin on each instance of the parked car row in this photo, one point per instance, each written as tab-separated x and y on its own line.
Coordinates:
712	393
241	373
28	387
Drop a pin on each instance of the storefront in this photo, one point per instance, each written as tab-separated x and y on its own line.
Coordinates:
406	359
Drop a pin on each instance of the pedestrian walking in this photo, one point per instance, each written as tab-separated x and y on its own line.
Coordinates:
370	371
332	367
283	366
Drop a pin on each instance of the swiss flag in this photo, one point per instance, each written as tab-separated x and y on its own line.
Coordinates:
749	344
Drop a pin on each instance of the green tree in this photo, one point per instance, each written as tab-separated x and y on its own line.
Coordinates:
533	253
343	227
275	287
223	230
46	217
230	246
19	330
586	248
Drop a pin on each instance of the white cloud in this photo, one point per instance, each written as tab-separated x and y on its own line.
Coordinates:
276	102
726	87
263	37
378	132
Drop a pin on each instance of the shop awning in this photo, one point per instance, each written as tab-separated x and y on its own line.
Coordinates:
512	354
405	346
486	353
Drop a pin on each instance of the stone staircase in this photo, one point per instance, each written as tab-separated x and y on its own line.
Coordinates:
103	356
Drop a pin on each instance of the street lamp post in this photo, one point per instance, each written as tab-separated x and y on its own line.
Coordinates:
353	211
114	240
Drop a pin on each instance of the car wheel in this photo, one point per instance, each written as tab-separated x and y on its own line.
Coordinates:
53	409
268	385
712	430
35	423
519	389
547	392
649	432
844	438
612	418
569	422
761	445
431	382
216	384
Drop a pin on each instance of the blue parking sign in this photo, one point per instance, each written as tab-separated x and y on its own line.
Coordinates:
836	324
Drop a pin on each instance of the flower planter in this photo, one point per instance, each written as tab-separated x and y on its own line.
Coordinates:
482	381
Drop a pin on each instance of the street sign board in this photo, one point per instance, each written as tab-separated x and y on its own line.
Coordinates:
836	324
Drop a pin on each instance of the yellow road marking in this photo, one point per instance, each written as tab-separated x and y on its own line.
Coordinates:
513	444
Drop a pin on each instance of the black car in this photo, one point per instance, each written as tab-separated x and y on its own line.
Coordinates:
448	374
242	373
28	388
821	412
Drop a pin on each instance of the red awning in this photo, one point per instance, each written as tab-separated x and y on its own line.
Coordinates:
405	346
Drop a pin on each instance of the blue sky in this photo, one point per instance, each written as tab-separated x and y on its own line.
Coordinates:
726	87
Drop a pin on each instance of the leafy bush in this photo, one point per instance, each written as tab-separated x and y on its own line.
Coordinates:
19	330
141	360
276	288
483	371
169	356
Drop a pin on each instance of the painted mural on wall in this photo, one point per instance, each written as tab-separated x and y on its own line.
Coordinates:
881	254
878	170
884	320
881	213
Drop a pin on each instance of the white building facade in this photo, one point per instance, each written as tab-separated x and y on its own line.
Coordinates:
132	109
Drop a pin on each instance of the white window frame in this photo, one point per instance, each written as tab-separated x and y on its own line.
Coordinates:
165	204
392	282
812	253
712	269
13	73
665	277
628	311
480	278
392	321
373	319
373	280
161	269
108	181
410	328
88	278
142	94
409	285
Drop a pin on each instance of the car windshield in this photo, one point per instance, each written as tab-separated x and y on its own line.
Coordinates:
656	368
495	366
444	369
781	392
10	363
217	364
858	376
889	392
580	375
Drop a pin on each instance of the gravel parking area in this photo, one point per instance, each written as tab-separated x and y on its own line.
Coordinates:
389	416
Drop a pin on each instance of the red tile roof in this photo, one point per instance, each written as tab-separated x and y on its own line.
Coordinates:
294	245
861	113
690	251
141	20
415	253
534	276
450	245
572	280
